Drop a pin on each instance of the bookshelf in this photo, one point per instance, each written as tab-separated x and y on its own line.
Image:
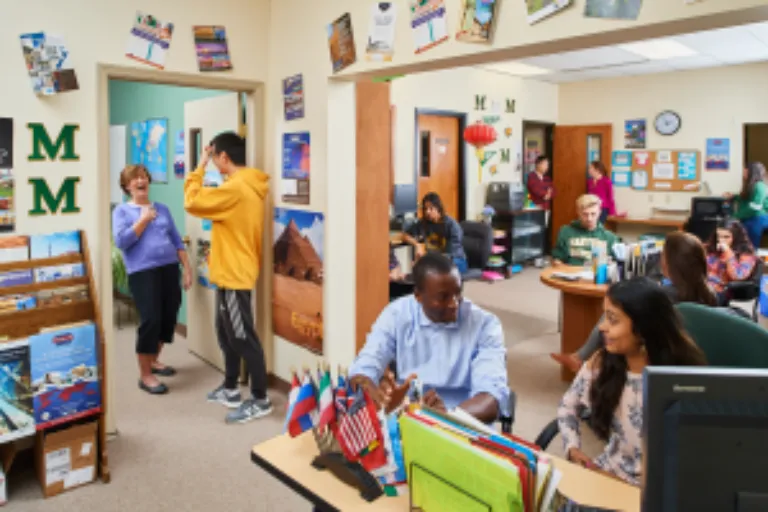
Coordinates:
25	323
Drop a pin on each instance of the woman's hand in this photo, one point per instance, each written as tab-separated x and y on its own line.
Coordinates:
148	214
579	457
187	278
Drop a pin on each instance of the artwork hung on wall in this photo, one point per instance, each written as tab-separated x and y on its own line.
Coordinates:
211	47
634	134
149	147
613	9
718	155
48	64
491	119
202	257
540	9
297	300
149	40
429	23
296	164
7	215
341	43
6	143
477	21
179	155
508	131
381	32
293	97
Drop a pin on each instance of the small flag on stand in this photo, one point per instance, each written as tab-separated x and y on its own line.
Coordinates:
304	411
340	397
359	433
294	393
326	406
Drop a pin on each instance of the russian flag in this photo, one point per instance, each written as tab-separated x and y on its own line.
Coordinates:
304	411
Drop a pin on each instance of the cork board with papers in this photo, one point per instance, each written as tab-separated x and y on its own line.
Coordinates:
661	170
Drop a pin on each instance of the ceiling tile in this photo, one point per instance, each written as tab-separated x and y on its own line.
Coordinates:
699	61
726	44
592	58
759	30
645	68
581	76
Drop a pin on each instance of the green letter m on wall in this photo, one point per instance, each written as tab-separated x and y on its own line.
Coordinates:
43	200
43	146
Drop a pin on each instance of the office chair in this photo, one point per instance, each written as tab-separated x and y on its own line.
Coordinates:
745	291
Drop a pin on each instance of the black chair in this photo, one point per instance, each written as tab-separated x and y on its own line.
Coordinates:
745	291
478	244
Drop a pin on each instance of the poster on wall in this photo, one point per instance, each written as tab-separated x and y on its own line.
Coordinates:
540	9
6	143
381	32
634	134
16	403
149	40
48	64
202	257
687	165
341	43
429	23
295	172
718	154
477	21
7	201
179	154
211	48
297	300
621	159
613	9
156	149
138	132
293	97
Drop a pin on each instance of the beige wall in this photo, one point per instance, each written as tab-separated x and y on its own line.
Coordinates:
713	103
455	90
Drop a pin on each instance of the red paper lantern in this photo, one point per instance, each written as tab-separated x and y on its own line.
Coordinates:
480	135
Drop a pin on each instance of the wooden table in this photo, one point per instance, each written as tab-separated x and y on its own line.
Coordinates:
289	461
612	223
582	308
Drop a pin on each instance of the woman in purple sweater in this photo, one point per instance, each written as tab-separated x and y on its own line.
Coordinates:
152	249
600	184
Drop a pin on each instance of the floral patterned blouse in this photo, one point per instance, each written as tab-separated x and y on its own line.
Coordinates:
623	454
722	269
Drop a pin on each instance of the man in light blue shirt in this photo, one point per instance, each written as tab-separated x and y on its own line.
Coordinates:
453	347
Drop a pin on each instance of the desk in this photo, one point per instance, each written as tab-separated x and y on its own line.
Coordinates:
289	461
612	223
582	308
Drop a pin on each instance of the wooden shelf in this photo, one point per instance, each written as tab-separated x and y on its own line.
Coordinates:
29	322
45	262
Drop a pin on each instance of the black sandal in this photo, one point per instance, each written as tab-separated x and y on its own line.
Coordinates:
160	389
166	371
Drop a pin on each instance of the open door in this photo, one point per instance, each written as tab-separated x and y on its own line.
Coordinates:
574	148
203	120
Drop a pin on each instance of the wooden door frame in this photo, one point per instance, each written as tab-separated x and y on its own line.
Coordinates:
549	150
462	185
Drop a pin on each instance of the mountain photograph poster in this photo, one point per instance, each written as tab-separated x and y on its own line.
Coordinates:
297	288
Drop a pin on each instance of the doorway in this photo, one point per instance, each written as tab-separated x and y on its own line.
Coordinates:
537	141
439	158
755	143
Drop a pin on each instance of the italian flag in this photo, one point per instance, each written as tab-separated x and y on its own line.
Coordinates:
325	401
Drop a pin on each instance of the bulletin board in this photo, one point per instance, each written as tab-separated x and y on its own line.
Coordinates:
662	170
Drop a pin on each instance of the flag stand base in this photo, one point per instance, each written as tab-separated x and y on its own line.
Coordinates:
351	473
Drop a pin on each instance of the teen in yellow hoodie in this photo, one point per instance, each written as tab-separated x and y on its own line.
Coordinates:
236	209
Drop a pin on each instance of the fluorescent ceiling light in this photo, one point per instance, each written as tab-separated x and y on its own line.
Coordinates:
658	49
518	69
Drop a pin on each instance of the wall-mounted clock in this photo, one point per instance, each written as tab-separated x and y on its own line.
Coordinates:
668	123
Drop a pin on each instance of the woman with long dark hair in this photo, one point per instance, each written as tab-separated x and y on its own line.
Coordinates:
641	328
600	185
684	265
751	204
730	258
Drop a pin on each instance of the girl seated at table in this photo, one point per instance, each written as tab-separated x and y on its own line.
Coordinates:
730	258
641	328
684	265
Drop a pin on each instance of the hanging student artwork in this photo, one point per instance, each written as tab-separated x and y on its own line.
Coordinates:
508	131
7	210
48	64
718	154
381	32
212	49
341	43
429	23
179	155
201	264
612	9
540	9
296	164
477	21
150	40
293	97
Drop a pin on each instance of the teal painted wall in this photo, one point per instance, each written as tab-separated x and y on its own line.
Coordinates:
130	102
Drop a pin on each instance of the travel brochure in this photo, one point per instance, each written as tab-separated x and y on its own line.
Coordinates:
149	40
17	417
341	43
293	97
211	47
202	257
47	58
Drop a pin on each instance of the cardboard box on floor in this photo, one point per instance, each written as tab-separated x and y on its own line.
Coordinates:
66	458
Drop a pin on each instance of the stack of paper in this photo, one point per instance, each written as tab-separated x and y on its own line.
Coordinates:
457	463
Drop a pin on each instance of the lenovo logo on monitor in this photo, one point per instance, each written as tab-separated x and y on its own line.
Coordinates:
688	389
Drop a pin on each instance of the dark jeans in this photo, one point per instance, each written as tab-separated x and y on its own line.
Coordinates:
157	294
754	226
461	264
603	216
237	338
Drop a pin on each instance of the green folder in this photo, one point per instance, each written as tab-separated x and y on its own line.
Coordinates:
447	473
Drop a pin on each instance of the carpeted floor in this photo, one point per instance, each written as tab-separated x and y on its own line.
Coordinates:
175	453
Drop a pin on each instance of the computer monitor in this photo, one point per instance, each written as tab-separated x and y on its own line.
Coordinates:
705	440
406	199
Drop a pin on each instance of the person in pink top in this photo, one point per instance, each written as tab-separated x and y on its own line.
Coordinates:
600	184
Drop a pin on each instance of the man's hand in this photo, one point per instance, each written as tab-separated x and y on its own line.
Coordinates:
433	400
370	387
420	250
394	394
205	156
556	263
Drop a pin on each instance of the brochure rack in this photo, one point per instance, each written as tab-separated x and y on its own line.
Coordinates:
29	322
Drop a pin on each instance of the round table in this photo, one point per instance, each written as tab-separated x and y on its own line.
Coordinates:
582	305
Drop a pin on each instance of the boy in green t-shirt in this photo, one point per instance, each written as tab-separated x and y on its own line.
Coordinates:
574	243
751	204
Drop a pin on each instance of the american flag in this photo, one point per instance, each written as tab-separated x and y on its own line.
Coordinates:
359	433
